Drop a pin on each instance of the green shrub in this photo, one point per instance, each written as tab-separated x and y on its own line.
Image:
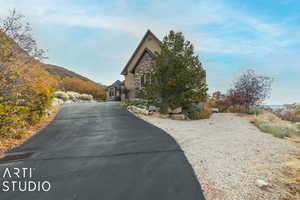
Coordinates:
163	108
23	111
11	116
298	125
197	111
138	103
17	137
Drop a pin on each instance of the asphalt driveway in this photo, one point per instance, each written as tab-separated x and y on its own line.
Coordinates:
101	151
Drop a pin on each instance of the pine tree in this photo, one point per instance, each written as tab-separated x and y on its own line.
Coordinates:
177	79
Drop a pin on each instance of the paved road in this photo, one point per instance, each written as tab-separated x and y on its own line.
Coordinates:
101	151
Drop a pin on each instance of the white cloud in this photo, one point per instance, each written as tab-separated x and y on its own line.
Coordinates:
226	38
213	26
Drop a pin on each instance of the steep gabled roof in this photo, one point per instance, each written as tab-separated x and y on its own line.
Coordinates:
148	33
117	84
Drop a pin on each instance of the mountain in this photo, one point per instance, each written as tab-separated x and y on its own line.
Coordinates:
62	72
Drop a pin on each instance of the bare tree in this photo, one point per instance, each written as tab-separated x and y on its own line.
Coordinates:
250	89
19	31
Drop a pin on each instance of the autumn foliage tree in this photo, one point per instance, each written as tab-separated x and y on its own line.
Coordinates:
26	89
248	90
251	89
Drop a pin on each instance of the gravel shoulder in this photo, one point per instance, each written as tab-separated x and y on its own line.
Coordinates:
229	154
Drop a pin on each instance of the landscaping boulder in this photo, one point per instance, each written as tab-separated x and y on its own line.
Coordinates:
138	110
178	116
153	109
175	111
61	95
86	97
215	110
261	183
57	101
74	96
164	116
70	96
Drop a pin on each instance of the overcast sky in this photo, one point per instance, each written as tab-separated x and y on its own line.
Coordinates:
96	38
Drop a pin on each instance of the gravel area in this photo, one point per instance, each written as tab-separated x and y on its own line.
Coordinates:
229	154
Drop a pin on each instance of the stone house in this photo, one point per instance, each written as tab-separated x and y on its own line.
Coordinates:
140	64
113	92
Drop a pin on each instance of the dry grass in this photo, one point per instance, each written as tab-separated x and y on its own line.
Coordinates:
292	173
270	123
7	143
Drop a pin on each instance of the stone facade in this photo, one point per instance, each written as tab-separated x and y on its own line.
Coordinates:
140	63
144	67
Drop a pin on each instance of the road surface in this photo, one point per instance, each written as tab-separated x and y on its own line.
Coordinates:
98	151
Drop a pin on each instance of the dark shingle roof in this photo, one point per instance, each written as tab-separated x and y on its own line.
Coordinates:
117	84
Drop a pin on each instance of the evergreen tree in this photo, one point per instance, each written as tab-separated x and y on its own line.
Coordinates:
177	79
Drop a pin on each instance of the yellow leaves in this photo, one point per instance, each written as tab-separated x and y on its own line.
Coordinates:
26	87
30	94
13	77
294	164
5	50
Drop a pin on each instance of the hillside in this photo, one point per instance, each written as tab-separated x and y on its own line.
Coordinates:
61	78
62	72
71	81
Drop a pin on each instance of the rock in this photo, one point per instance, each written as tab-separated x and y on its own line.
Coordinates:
175	111
261	183
57	101
178	116
86	97
138	110
74	96
61	95
215	110
164	116
152	108
70	97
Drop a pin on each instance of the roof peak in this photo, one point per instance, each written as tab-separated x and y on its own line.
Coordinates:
148	32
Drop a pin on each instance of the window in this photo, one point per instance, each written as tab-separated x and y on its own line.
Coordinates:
111	92
145	79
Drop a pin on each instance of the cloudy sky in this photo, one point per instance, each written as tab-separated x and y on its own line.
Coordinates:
96	37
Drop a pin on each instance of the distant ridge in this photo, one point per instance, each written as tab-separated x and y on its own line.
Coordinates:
61	72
